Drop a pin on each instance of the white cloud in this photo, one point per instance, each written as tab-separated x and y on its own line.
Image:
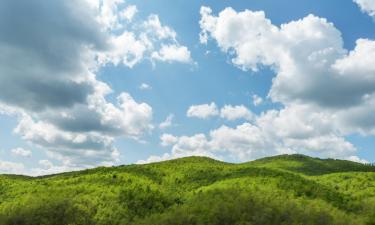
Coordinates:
257	100
155	29
367	6
173	53
203	111
145	86
73	149
167	122
126	49
228	112
153	159
231	113
60	104
187	146
11	167
168	139
106	12
360	61
46	163
21	152
357	159
290	130
148	39
314	73
47	167
130	118
84	135
312	67
129	12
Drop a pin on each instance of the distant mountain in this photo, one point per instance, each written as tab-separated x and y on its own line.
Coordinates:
286	189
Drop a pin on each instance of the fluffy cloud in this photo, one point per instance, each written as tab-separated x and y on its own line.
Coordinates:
45	163
126	49
168	139
150	39
72	148
274	132
145	86
129	12
203	111
167	122
367	6
47	167
51	59
85	136
196	145
257	100
312	67
7	167
230	112
326	90
53	65
171	53
62	107
21	152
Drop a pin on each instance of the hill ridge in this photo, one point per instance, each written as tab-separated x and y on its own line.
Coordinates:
287	189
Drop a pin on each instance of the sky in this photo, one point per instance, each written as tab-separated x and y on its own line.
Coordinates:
87	83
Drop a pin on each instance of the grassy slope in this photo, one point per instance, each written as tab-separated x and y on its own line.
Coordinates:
292	189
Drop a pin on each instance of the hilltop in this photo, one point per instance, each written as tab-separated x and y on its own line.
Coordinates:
286	189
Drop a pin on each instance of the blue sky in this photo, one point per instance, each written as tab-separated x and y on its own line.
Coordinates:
208	97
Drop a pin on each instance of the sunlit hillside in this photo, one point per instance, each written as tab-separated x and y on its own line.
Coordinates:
287	189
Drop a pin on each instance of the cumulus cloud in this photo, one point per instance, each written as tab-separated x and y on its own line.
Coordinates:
257	100
21	152
38	53
85	136
126	49
129	12
231	113
196	145
367	6
312	66
228	112
275	132
70	147
46	163
203	111
168	139
156	30
326	91
47	167
357	159
150	39
154	158
168	122
61	105
7	167
145	86
171	53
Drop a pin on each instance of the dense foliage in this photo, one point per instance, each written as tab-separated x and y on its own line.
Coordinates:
288	189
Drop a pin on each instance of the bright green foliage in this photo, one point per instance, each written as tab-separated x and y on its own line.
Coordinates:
288	189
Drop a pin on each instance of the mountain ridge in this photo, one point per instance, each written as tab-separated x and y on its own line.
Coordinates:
197	159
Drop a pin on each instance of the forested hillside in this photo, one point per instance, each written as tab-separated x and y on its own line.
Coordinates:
287	189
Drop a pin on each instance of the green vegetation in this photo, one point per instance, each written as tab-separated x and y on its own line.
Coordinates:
287	189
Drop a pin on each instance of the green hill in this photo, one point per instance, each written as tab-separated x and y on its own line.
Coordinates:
287	189
312	166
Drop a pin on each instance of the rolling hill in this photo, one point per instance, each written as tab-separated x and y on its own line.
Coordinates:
286	189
